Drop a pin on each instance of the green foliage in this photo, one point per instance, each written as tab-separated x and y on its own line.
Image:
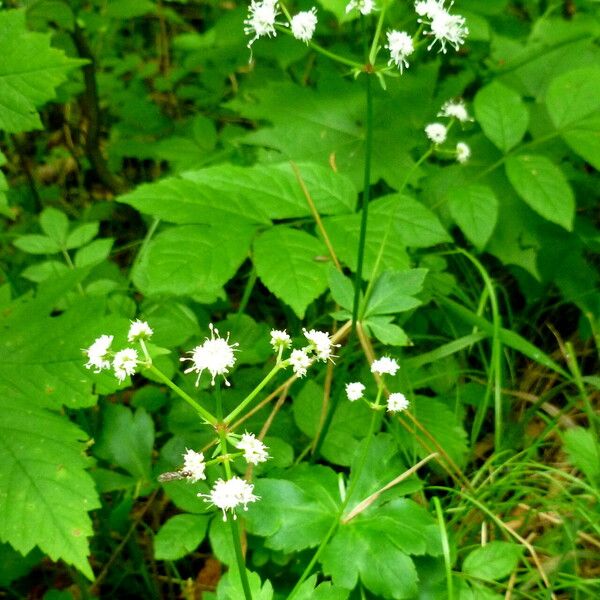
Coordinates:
150	171
493	561
179	536
30	73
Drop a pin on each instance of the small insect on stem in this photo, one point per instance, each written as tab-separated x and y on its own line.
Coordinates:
172	476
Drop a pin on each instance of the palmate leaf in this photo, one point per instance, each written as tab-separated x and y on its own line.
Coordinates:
30	71
45	491
374	546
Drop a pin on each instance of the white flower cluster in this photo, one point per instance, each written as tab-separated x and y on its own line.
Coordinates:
123	362
254	450
320	347
365	7
215	355
262	19
385	365
438	132
193	465
228	494
443	27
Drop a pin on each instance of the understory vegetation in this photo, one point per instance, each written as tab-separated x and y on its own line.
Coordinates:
299	301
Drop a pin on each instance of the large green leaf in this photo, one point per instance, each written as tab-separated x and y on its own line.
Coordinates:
296	512
30	72
276	191
216	195
288	263
41	358
45	492
395	222
475	210
375	546
543	186
502	115
192	260
573	102
573	96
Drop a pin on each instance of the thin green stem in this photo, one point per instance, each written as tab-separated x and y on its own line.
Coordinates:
219	399
445	548
242	405
233	524
239	557
365	199
206	415
376	36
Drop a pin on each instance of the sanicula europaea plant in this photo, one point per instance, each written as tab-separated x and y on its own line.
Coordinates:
333	267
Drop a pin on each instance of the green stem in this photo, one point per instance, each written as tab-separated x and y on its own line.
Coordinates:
219	400
377	35
239	556
201	411
233	524
143	248
236	411
445	548
365	199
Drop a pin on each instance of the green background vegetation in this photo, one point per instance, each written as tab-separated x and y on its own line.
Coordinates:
148	169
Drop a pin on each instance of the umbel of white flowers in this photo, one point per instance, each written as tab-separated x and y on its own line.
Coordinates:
124	362
438	132
444	28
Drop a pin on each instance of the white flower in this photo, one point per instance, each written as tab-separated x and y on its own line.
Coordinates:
304	24
139	330
457	110
280	339
436	132
194	465
320	343
428	8
124	363
261	19
397	402
300	362
228	495
385	365
354	391
216	355
254	450
463	152
400	45
97	352
366	7
447	28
